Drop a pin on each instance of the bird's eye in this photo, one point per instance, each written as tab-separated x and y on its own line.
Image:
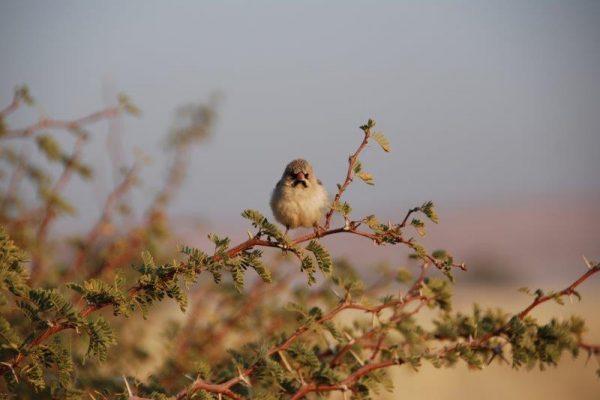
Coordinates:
306	176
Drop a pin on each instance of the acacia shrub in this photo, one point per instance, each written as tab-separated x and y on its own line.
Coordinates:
74	322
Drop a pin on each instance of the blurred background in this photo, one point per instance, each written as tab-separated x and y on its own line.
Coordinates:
492	110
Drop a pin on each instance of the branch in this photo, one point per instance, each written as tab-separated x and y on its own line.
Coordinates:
593	269
105	218
49	213
350	173
14	104
347	382
565	292
49	123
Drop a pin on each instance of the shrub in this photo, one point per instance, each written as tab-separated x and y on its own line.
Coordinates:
80	314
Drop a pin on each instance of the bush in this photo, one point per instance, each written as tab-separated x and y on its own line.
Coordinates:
80	315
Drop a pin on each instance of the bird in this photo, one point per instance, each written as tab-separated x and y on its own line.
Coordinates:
299	198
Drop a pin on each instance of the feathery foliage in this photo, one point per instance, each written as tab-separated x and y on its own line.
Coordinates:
80	314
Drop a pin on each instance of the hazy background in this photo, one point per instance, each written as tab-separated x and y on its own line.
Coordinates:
492	108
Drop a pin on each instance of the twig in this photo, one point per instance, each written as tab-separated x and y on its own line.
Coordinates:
349	175
49	123
37	264
105	218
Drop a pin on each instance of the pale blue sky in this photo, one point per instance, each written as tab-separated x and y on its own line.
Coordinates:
482	101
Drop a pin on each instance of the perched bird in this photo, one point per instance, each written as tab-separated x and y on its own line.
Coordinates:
299	198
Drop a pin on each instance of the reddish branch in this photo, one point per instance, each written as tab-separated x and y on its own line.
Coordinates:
49	212
349	177
15	180
14	104
592	349
345	384
105	218
565	292
76	124
348	382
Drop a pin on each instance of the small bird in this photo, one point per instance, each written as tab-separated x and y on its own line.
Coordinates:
299	198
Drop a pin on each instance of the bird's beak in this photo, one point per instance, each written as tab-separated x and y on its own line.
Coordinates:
299	178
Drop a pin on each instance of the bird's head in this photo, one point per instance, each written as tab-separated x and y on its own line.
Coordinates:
299	173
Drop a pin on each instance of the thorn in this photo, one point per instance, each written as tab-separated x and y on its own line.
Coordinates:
12	370
285	361
587	262
301	378
337	294
358	359
189	377
243	378
349	337
127	386
588	357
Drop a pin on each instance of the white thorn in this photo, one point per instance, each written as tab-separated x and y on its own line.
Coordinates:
243	378
358	359
587	262
128	388
336	293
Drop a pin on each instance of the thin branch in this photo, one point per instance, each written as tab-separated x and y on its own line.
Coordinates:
49	123
49	213
109	205
349	176
13	184
565	292
345	384
14	104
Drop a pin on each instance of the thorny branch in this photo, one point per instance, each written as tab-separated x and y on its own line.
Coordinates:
347	383
352	159
72	125
105	218
49	212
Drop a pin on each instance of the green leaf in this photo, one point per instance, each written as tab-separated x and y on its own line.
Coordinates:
403	275
308	267
419	226
127	105
101	337
366	177
382	141
321	255
266	227
429	210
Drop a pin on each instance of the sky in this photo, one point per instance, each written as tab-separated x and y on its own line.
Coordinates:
483	102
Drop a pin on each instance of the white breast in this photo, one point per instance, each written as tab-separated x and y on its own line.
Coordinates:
299	206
